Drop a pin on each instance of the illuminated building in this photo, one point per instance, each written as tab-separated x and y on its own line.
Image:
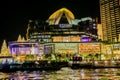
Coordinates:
62	26
20	50
62	33
110	19
17	48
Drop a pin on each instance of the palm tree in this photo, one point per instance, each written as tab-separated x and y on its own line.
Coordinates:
90	55
48	56
85	56
97	56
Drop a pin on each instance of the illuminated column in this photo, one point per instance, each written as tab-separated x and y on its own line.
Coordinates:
119	38
32	50
115	40
100	31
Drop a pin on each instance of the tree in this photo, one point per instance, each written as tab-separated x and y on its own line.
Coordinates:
23	39
91	56
85	56
19	38
97	55
4	49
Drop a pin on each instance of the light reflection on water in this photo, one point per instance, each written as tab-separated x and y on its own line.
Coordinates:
65	74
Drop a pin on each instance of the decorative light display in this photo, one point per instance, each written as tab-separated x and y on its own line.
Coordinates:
89	48
24	48
68	48
4	49
20	39
86	39
66	39
56	16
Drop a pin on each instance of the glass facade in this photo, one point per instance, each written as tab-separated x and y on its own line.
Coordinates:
17	48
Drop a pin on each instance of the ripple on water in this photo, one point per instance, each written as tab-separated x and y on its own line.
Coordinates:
4	76
64	74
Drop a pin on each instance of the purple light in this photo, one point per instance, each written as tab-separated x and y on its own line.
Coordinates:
23	48
86	39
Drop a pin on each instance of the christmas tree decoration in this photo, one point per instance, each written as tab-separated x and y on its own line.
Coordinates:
4	49
19	38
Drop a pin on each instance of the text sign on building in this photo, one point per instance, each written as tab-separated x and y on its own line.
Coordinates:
89	48
65	25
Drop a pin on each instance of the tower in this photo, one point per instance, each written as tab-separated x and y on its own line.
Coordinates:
110	19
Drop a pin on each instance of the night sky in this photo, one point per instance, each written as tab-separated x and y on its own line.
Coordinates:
14	14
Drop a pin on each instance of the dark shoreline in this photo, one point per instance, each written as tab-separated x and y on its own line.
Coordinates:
49	67
32	67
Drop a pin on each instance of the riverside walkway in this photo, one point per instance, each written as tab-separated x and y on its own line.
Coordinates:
95	64
58	65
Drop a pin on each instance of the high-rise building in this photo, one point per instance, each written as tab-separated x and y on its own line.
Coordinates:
110	19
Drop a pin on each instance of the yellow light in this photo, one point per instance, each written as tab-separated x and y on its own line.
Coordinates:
56	16
62	10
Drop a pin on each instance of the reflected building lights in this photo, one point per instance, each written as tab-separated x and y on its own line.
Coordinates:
85	74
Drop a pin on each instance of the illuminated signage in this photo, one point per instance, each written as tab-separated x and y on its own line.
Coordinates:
65	25
86	39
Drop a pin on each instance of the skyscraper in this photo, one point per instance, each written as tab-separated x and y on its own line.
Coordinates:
110	19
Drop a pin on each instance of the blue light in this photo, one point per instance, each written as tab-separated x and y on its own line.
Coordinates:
86	39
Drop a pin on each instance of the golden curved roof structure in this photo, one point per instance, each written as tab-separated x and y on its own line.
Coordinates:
56	16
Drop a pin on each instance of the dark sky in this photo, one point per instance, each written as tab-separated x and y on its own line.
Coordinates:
14	14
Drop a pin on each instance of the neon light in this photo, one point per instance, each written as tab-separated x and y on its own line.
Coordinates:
86	39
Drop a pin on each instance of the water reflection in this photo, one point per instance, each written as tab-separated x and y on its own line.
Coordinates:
65	74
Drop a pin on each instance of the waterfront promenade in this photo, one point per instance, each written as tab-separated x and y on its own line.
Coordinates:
95	64
45	65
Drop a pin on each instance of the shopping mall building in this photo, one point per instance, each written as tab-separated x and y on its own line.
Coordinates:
61	33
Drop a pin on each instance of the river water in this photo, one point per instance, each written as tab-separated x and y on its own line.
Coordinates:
64	74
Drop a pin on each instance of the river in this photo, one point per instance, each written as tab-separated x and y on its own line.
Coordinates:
64	74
